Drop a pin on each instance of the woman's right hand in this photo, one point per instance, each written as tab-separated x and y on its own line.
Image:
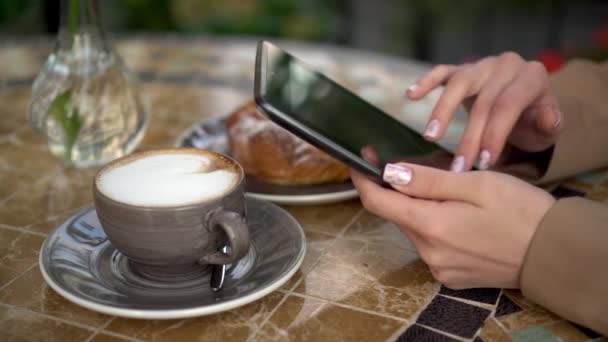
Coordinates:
508	98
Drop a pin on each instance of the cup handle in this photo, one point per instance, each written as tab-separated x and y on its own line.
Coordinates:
236	230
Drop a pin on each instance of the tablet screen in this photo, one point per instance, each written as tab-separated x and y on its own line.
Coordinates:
334	112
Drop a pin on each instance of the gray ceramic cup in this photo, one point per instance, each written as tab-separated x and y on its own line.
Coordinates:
176	239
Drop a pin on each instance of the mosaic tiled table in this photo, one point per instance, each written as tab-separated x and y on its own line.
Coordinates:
361	279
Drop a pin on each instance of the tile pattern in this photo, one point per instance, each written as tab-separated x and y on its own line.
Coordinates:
18	252
506	306
492	332
534	334
302	318
535	316
422	334
485	295
107	338
235	325
361	279
453	316
371	277
566	331
22	325
31	291
329	219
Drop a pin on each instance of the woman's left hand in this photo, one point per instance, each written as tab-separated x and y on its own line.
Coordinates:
472	229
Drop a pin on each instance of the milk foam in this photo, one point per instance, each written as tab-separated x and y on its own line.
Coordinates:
166	180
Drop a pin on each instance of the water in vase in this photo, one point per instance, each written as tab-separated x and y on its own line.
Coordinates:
85	103
87	107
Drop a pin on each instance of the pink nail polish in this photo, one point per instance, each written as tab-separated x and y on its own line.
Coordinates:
484	160
412	88
432	129
458	164
397	174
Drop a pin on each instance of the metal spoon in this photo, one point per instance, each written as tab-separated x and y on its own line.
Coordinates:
218	274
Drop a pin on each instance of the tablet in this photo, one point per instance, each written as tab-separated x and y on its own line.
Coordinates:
325	114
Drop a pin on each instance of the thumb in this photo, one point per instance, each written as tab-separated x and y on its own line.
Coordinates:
433	184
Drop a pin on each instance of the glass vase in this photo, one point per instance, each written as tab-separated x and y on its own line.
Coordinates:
85	103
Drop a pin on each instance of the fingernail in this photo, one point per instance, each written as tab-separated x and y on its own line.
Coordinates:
412	88
458	164
558	118
484	160
397	174
432	129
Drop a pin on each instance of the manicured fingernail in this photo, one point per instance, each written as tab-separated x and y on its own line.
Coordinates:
412	88
484	160
458	164
558	118
397	174
432	129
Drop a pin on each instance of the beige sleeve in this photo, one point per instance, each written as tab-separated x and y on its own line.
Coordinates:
566	266
582	91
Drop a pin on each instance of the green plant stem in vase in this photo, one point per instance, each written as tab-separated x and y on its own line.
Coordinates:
69	120
85	103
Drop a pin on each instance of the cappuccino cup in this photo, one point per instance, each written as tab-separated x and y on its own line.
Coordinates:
170	210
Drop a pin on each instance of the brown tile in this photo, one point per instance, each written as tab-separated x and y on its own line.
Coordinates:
26	136
527	318
15	210
565	331
519	299
233	325
13	108
21	325
9	184
31	291
316	245
371	228
174	108
309	319
101	337
380	278
329	218
23	150
51	222
18	252
292	281
492	332
22	166
56	193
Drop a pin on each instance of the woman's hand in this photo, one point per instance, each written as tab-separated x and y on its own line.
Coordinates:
508	100
472	229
